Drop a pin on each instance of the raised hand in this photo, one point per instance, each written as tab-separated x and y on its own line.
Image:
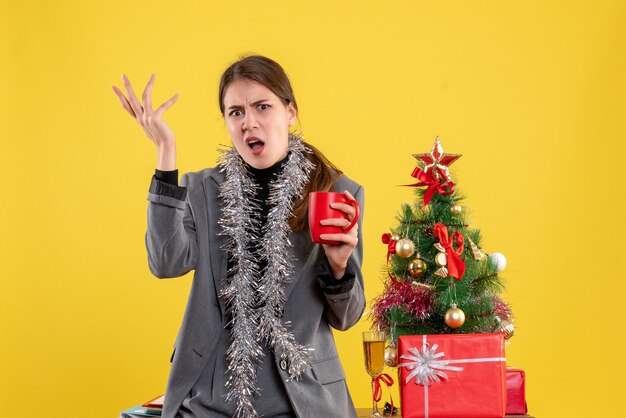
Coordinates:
151	120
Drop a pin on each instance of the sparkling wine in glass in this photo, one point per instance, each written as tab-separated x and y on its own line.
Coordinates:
374	352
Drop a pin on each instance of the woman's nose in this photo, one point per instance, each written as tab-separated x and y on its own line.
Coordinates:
249	121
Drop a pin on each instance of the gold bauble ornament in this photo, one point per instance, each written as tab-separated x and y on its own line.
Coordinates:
405	248
417	267
391	356
455	317
456	209
505	327
396	237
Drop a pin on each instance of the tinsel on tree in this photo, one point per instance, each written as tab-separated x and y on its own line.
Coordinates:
438	279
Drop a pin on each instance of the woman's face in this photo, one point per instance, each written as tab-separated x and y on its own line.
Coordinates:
258	122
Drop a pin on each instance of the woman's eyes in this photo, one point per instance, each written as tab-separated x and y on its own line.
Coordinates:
261	106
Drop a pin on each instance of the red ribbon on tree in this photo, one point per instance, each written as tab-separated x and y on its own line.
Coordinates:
391	245
456	266
434	185
391	249
377	391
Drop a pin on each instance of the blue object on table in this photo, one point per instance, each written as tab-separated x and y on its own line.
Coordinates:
139	412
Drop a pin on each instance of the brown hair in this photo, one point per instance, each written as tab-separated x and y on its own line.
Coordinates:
271	75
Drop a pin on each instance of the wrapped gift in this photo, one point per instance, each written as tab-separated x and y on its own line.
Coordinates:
451	376
515	392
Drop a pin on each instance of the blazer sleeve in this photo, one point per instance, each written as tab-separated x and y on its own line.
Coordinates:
171	231
345	298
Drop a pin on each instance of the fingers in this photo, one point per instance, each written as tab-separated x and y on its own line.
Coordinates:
159	112
350	238
124	101
348	195
134	102
146	96
345	208
340	222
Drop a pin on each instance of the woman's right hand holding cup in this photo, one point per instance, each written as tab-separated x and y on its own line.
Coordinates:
151	121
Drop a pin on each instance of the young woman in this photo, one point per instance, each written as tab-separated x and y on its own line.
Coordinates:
256	337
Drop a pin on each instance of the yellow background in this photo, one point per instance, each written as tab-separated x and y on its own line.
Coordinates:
531	93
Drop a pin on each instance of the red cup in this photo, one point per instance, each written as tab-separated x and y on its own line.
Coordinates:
319	208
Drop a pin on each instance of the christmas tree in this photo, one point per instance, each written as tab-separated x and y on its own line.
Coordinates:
438	279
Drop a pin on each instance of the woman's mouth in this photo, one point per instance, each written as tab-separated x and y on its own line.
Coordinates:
255	145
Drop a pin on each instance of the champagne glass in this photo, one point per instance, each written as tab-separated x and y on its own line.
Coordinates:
374	350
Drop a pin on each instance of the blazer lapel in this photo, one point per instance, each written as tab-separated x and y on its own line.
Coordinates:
305	255
216	240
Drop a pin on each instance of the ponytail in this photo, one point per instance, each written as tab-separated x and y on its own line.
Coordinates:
321	180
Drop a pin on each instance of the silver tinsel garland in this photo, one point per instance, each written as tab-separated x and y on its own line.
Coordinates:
254	325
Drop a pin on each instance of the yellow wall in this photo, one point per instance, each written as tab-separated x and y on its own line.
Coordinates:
531	94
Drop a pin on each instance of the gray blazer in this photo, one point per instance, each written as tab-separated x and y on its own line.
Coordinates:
183	235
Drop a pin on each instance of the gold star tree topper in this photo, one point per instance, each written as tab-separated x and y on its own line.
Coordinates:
436	162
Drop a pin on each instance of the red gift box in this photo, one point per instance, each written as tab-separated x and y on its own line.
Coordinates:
451	376
515	392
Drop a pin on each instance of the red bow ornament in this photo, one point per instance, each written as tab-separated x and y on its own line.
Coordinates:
455	266
444	188
391	249
391	244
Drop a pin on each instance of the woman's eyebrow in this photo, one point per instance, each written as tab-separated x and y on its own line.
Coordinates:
253	104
